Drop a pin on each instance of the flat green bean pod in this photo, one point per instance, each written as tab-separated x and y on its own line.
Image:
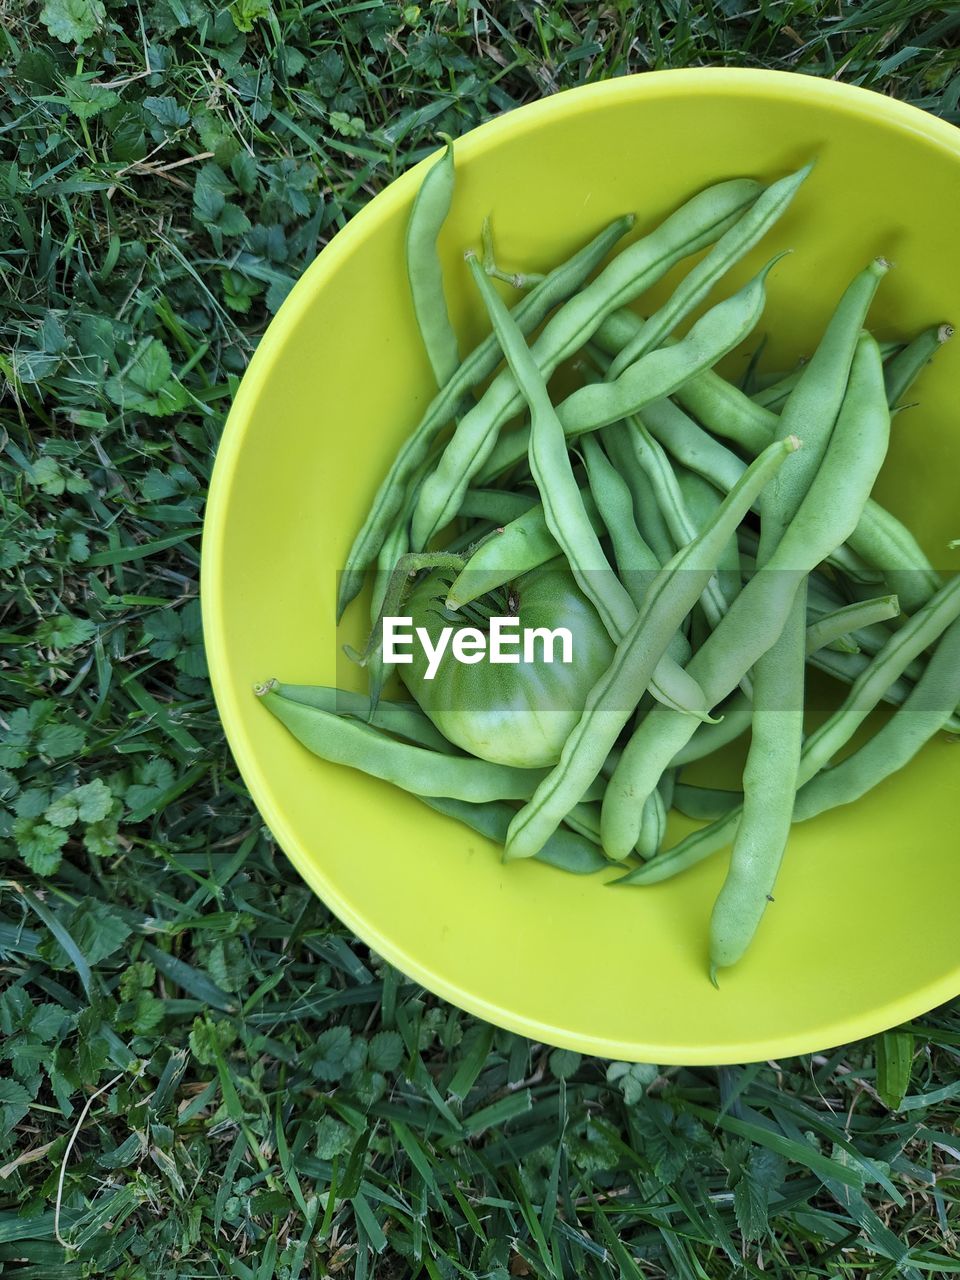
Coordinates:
403	719
344	741
429	212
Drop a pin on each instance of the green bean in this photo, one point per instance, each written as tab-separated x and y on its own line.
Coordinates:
565	850
663	370
647	514
756	618
728	411
702	500
845	371
698	223
654	375
497	505
769	788
916	634
563	506
690	445
652	826
637	565
523	544
429	212
695	286
403	719
583	818
344	741
904	368
561	284
638	561
923	714
831	627
724	409
655	464
612	699
847	667
704	804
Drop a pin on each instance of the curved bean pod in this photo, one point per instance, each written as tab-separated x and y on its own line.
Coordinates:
429	212
521	545
729	249
831	627
415	769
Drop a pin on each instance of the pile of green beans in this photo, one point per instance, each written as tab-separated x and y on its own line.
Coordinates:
725	537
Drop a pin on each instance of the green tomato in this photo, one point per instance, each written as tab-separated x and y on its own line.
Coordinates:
517	713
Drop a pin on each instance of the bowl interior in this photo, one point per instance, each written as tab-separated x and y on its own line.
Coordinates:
862	933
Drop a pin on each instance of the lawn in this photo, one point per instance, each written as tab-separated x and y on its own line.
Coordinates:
202	1074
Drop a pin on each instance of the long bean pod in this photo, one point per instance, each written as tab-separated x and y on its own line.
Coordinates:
416	769
429	212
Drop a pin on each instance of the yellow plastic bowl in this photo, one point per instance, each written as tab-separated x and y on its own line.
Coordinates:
863	933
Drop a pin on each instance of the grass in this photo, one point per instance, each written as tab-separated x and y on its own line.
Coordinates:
201	1073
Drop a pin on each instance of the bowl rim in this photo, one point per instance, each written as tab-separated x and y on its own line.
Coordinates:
784	85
